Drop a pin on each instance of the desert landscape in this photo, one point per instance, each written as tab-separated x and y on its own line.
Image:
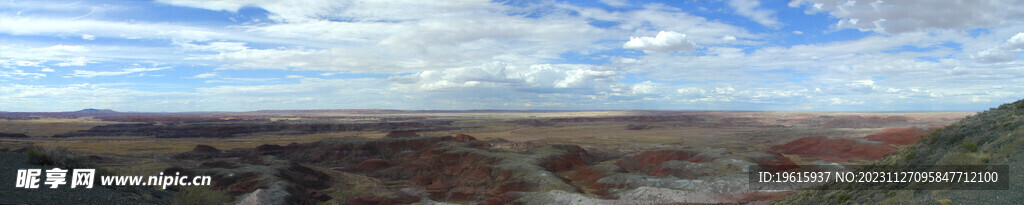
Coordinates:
488	157
549	102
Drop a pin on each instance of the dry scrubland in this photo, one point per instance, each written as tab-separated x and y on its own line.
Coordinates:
352	152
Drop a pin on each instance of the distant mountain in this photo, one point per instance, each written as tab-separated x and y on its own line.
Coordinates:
993	137
92	110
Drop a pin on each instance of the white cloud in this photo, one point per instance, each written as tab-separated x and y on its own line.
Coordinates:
441	56
204	75
994	55
839	101
542	78
28	63
53	26
1007	52
240	80
655	17
917	15
69	48
665	41
90	74
288	11
77	61
18	74
615	3
749	9
215	46
48	70
1015	42
646	87
71	97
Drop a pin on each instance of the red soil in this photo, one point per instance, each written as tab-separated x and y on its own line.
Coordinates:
373	164
574	157
834	149
900	136
772	161
205	149
650	159
464	138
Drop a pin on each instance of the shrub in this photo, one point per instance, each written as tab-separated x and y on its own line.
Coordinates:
55	156
842	197
969	147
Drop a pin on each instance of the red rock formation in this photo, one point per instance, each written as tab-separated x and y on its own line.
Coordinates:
855	121
471	140
464	138
269	149
589	177
683	118
900	136
373	164
574	157
771	161
342	152
504	193
205	149
314	194
651	159
834	149
450	175
380	200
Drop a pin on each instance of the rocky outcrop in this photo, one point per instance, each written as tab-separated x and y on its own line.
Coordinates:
471	140
457	171
351	151
560	158
771	161
373	164
374	200
464	138
651	159
262	179
264	197
205	149
449	173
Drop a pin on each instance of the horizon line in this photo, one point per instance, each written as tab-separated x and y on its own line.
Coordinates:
483	111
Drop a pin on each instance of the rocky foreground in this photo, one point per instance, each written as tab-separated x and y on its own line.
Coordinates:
407	168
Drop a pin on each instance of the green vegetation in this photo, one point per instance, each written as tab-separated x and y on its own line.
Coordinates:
994	137
55	156
970	147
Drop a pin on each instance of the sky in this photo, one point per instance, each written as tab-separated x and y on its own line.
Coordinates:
799	55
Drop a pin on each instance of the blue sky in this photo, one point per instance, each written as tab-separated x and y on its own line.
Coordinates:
800	55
